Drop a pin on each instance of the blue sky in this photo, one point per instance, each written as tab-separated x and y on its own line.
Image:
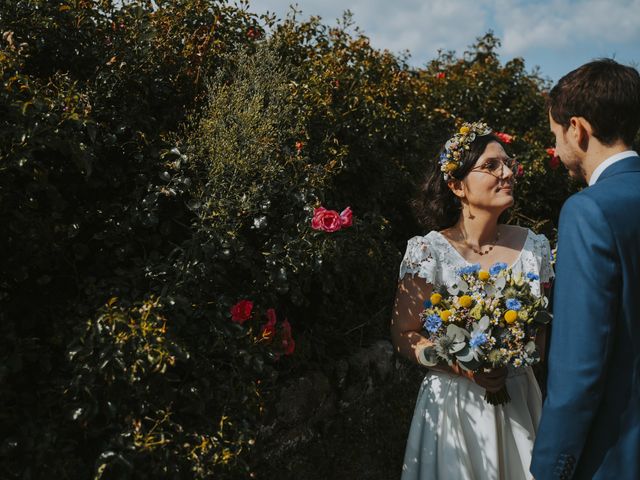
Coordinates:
556	35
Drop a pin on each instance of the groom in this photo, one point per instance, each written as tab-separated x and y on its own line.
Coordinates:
590	426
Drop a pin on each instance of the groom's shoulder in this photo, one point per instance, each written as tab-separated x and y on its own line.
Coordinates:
581	202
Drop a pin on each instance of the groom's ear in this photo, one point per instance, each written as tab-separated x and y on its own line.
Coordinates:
580	131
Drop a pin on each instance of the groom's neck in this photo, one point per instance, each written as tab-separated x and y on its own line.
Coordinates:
598	153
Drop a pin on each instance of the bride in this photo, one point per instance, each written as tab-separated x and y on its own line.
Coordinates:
454	433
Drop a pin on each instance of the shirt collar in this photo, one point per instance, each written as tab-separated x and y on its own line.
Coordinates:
608	162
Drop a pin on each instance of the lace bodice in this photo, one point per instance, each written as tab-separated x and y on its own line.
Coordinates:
433	258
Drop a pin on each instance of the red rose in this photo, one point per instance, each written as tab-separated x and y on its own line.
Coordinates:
346	217
440	75
299	146
504	137
520	171
241	311
253	33
554	162
288	343
551	151
269	330
326	220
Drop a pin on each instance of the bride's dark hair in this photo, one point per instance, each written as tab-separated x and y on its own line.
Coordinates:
435	206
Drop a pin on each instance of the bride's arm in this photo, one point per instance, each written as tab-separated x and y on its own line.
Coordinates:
405	317
406	325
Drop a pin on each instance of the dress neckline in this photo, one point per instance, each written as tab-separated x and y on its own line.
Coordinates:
455	250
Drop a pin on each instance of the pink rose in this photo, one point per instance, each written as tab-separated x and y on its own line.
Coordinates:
269	330
504	137
520	171
288	343
241	311
346	217
326	220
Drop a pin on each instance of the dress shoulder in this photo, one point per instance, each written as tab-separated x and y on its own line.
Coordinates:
420	258
542	252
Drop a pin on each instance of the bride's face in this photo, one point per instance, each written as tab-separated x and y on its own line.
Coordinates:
489	184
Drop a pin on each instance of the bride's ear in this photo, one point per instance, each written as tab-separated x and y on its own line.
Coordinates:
457	188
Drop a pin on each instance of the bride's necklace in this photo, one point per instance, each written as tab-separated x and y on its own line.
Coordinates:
480	252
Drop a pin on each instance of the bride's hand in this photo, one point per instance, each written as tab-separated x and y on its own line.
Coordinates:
491	381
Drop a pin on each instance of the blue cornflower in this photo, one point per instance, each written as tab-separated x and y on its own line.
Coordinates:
533	276
469	269
497	268
443	157
427	304
513	304
432	323
478	339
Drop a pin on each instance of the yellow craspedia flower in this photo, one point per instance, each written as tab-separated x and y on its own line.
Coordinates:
483	275
465	301
510	316
435	298
444	315
464	130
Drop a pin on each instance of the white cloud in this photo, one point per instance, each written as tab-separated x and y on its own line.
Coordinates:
551	30
562	24
422	27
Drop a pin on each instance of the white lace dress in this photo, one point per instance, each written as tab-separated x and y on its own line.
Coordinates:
455	434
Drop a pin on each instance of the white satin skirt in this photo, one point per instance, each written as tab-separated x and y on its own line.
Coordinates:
456	435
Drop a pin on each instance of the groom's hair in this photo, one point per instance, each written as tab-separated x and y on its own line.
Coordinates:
606	94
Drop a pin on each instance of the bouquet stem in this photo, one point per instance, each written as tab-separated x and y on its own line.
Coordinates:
497	398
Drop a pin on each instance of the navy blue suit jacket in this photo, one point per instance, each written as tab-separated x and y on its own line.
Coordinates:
590	426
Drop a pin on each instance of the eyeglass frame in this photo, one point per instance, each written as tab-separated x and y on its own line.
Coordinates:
513	168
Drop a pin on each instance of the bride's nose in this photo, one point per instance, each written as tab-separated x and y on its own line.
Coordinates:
506	173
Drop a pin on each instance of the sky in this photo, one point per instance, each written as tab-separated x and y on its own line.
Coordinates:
555	35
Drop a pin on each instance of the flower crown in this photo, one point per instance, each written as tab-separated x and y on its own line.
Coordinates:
451	158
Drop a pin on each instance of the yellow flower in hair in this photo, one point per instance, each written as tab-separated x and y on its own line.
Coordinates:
483	275
464	130
510	316
465	301
444	315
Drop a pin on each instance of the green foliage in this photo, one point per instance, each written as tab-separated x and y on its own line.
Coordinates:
149	399
91	206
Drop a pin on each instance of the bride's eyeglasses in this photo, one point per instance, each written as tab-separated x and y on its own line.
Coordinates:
496	166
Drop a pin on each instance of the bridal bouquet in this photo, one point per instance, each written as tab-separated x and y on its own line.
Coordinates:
488	319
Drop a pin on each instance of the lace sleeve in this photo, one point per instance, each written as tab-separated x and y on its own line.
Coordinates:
543	255
418	259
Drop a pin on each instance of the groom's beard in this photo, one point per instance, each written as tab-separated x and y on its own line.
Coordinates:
578	174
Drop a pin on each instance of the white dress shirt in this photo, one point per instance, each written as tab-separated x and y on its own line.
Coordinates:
608	162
